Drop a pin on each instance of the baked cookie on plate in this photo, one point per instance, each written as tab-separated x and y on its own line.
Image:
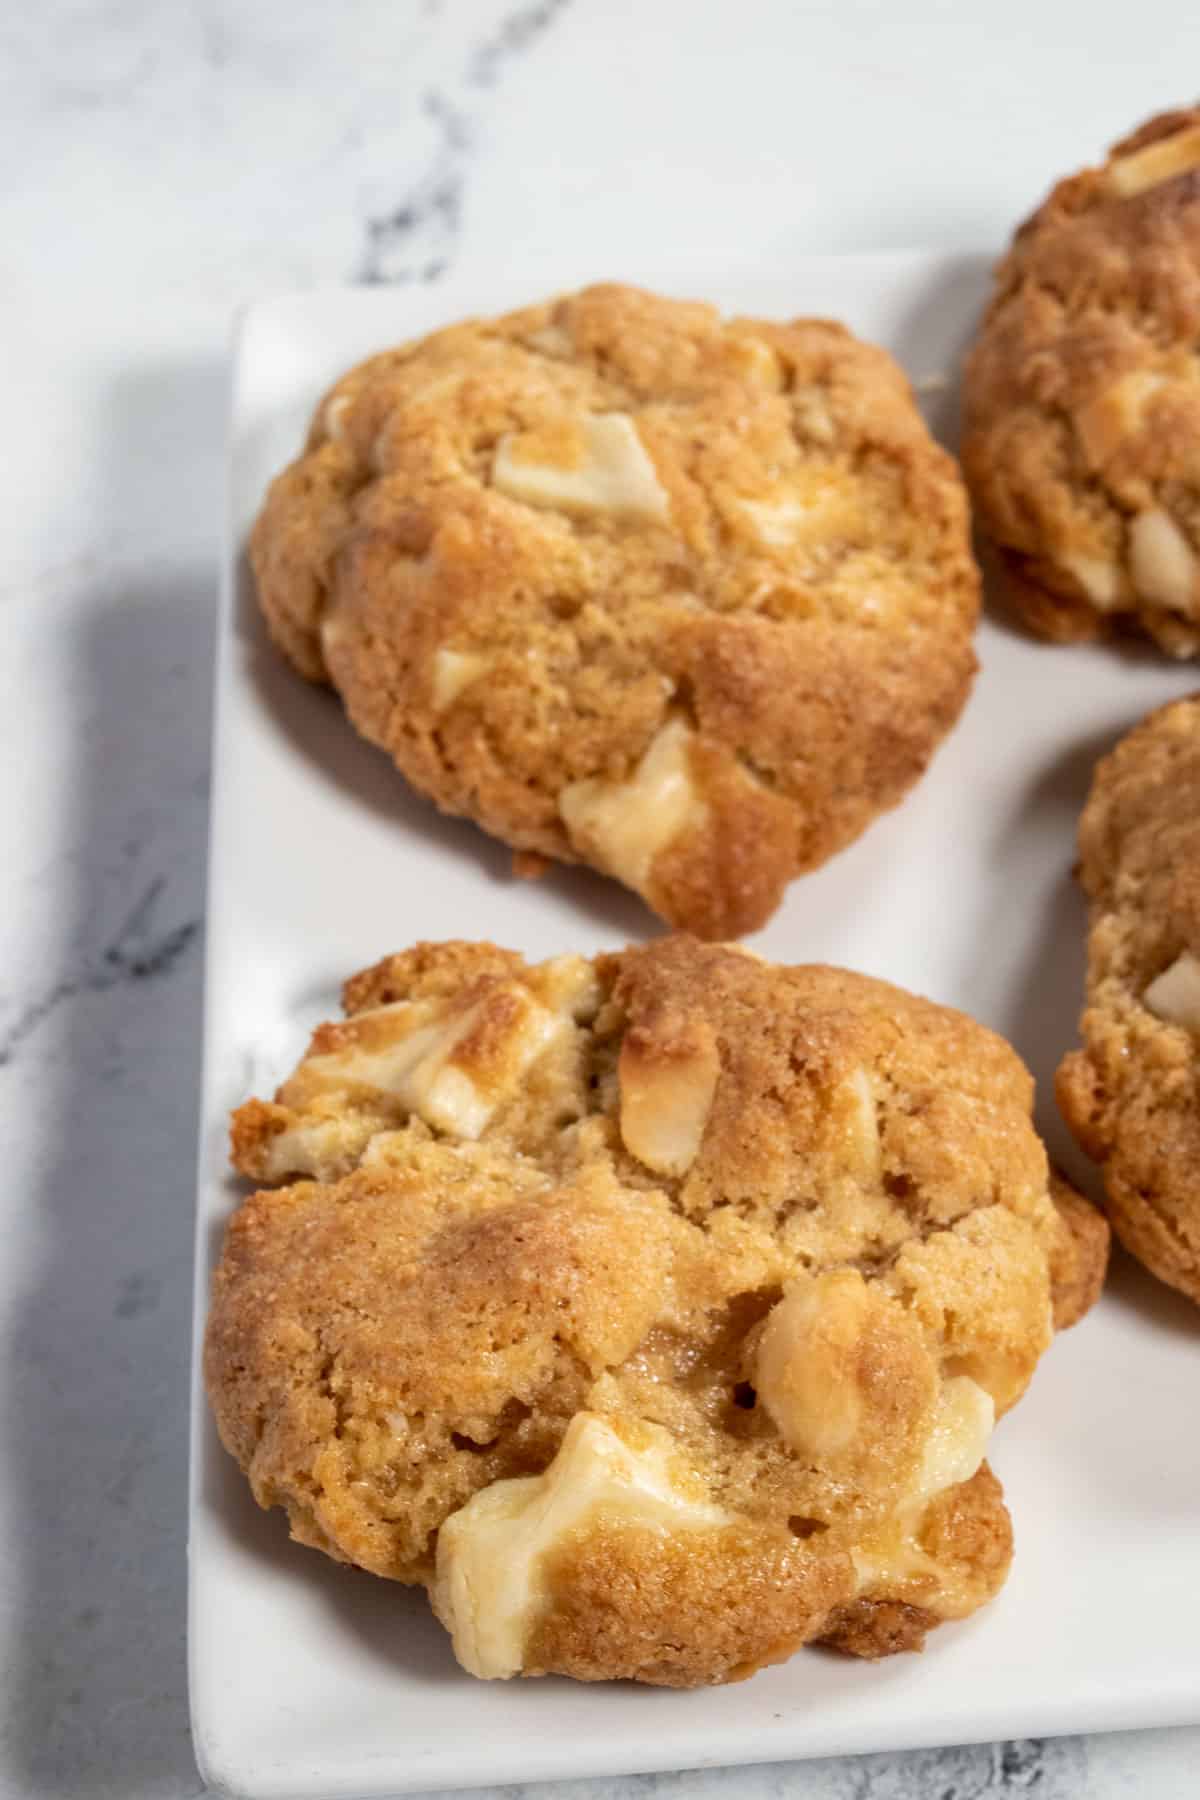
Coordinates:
687	599
653	1311
1131	1095
1081	444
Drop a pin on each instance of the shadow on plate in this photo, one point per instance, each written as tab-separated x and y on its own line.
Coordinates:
313	722
1041	1017
394	1623
1165	1311
934	335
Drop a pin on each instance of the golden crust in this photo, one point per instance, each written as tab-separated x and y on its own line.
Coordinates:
1082	398
771	562
641	1605
1131	1095
818	1165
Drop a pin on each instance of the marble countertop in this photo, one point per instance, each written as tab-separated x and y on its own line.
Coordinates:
163	165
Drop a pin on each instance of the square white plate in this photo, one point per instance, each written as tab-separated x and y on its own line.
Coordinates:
310	1680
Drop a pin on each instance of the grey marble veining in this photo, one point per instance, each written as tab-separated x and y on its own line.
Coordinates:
162	166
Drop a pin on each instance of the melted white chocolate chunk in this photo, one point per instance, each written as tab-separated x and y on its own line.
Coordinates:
613	474
1156	163
892	1555
958	1440
623	825
490	1586
1174	996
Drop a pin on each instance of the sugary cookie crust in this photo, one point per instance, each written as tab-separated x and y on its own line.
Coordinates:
1131	1095
686	599
683	1345
1082	394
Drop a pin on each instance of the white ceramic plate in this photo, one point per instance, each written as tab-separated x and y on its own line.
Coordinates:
310	1680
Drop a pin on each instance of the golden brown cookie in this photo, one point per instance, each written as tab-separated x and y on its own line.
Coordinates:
1082	436
654	1311
685	599
1131	1095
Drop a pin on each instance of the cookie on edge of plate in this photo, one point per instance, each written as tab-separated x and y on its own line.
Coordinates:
1131	1095
1081	439
686	599
653	1311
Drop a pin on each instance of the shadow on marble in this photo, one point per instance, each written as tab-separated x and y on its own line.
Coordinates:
1158	1305
312	721
95	1387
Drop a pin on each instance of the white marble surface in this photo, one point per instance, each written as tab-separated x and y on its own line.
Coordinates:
162	165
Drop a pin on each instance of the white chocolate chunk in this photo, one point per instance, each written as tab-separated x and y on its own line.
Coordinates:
551	340
333	422
819	508
962	1425
1156	163
864	1122
1100	580
1163	563
416	1062
490	1555
666	1095
847	1377
332	631
614	475
623	825
813	415
312	1146
757	362
568	985
454	671
777	522
957	1445
1110	418
1174	996
799	1375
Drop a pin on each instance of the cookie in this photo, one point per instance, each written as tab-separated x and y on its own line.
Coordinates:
1079	1259
653	1311
1081	444
684	599
1131	1095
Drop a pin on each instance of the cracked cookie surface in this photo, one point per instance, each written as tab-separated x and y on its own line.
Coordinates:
652	1310
1082	398
1131	1095
689	600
